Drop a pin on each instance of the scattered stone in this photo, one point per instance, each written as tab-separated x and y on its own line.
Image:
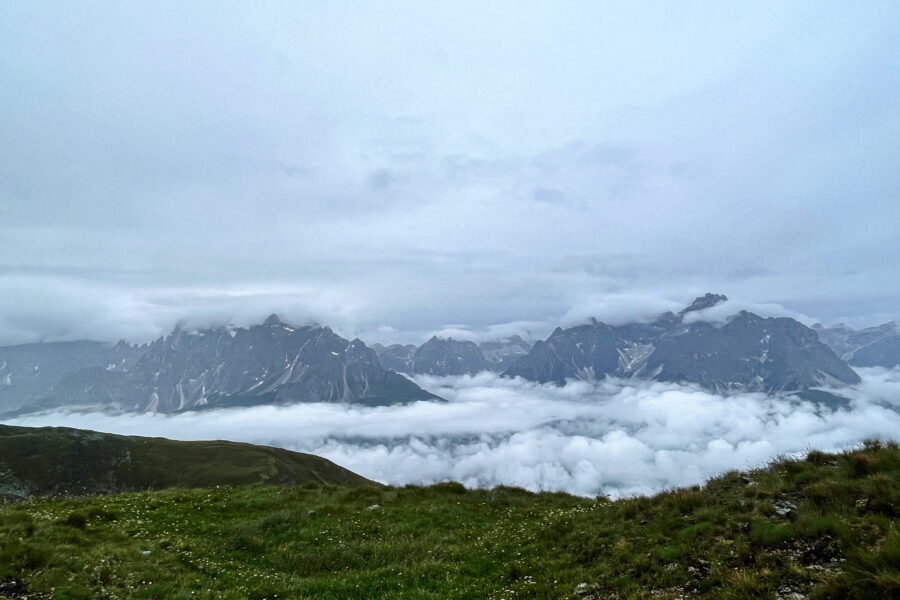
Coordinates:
676	592
698	569
374	507
787	593
582	589
784	508
745	479
16	589
145	552
821	551
310	512
13	585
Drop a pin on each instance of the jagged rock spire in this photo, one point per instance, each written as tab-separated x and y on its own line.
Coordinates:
708	300
273	320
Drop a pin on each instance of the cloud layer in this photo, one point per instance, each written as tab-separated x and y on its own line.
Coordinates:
612	437
455	163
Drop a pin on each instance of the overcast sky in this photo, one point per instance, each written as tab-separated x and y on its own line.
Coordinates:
394	168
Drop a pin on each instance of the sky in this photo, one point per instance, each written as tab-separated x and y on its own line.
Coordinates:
614	437
398	168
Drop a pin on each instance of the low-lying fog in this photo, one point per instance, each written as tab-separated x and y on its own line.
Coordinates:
612	437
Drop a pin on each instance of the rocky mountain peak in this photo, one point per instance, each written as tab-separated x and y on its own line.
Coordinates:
870	347
271	363
747	353
703	302
439	356
273	320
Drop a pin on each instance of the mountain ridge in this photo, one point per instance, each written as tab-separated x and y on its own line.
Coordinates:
62	460
746	353
877	346
269	363
276	363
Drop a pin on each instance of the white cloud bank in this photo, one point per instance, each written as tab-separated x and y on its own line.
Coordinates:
720	313
612	437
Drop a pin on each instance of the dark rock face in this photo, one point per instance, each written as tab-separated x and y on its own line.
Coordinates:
584	352
31	372
452	357
748	353
703	302
837	338
871	347
397	357
272	363
448	357
881	353
502	354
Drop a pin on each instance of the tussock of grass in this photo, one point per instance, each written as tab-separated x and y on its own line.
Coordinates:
825	527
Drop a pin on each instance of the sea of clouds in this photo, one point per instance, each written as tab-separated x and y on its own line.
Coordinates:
612	437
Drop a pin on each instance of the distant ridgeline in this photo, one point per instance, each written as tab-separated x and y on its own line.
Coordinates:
747	353
442	356
871	347
271	363
276	363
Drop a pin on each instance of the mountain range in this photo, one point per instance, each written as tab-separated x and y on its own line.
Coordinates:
746	353
871	347
270	363
446	356
278	363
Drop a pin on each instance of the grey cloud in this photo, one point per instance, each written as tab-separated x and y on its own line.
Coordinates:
59	309
549	195
527	330
381	179
618	309
296	170
722	311
435	170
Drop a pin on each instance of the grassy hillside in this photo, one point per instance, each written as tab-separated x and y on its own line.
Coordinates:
824	527
55	460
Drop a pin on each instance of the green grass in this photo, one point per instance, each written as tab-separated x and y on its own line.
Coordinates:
54	460
725	540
